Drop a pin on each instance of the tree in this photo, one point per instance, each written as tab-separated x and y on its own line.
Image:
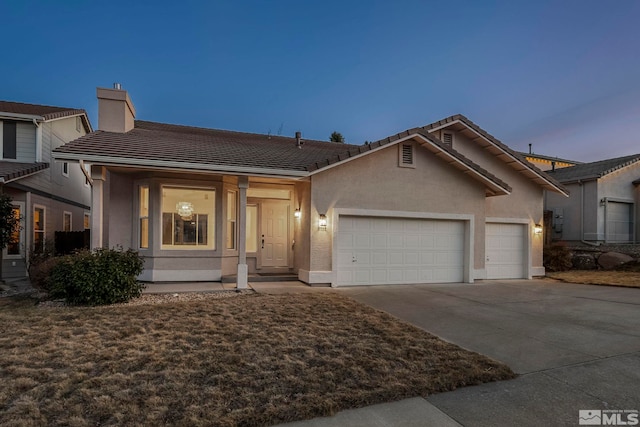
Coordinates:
336	137
9	224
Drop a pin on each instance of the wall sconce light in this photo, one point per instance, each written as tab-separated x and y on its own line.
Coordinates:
537	229
322	222
297	213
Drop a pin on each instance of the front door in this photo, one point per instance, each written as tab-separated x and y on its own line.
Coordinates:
275	234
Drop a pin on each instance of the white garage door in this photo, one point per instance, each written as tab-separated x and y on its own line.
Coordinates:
505	251
380	251
619	222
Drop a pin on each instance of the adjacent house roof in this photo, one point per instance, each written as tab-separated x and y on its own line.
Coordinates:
465	126
151	144
43	112
12	171
593	170
549	158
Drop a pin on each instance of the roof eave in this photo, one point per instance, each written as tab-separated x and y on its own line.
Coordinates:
180	166
533	173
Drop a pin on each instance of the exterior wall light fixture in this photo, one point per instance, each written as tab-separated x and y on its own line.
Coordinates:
537	229
322	222
297	213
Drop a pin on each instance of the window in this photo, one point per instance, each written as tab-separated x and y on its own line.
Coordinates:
38	229
65	169
9	140
232	201
447	138
188	218
252	229
405	155
144	216
13	248
87	221
66	221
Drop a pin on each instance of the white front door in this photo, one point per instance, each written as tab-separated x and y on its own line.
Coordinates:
274	239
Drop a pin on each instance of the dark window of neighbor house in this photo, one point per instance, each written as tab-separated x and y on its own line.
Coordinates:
8	140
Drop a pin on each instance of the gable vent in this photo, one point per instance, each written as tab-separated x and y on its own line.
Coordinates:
406	155
447	138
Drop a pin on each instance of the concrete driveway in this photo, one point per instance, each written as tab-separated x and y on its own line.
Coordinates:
574	346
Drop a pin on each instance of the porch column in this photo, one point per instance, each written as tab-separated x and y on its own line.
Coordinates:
243	279
98	176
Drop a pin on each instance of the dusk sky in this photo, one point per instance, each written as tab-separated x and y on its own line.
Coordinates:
563	75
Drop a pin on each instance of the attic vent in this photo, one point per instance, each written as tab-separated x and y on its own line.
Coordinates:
406	156
447	138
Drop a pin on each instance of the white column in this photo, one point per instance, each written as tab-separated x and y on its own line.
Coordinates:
243	271
99	176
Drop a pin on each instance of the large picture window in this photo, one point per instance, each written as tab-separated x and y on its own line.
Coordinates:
188	218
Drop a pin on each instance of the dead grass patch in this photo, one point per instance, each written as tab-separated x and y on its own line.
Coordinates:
245	361
600	277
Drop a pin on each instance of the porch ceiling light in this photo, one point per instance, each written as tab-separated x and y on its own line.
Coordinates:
297	213
185	210
537	229
322	222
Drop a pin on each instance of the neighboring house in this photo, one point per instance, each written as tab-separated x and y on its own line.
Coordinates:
47	196
441	203
548	163
603	202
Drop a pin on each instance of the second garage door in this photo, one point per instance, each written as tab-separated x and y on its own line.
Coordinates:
505	251
378	251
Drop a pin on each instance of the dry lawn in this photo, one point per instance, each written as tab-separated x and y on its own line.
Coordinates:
600	277
246	361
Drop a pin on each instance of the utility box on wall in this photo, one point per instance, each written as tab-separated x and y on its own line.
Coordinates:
557	222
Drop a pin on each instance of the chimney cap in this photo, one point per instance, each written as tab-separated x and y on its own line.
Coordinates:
117	86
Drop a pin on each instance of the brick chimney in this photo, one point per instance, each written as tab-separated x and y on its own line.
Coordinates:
115	109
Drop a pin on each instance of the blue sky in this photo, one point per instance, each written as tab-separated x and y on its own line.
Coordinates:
562	75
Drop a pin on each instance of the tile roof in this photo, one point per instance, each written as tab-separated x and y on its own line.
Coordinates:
11	171
47	112
213	147
593	170
531	170
192	147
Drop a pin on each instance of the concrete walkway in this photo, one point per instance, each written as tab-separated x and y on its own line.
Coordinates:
576	347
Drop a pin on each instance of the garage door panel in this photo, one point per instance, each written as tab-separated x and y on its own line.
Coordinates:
400	250
505	251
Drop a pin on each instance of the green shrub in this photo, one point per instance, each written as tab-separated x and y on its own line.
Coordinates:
39	266
104	276
557	257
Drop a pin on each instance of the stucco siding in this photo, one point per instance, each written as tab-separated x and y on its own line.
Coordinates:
120	211
302	227
526	198
376	182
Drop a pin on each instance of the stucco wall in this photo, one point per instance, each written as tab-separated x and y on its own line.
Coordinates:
376	182
525	200
302	227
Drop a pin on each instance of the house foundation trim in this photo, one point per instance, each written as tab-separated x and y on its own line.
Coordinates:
315	277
